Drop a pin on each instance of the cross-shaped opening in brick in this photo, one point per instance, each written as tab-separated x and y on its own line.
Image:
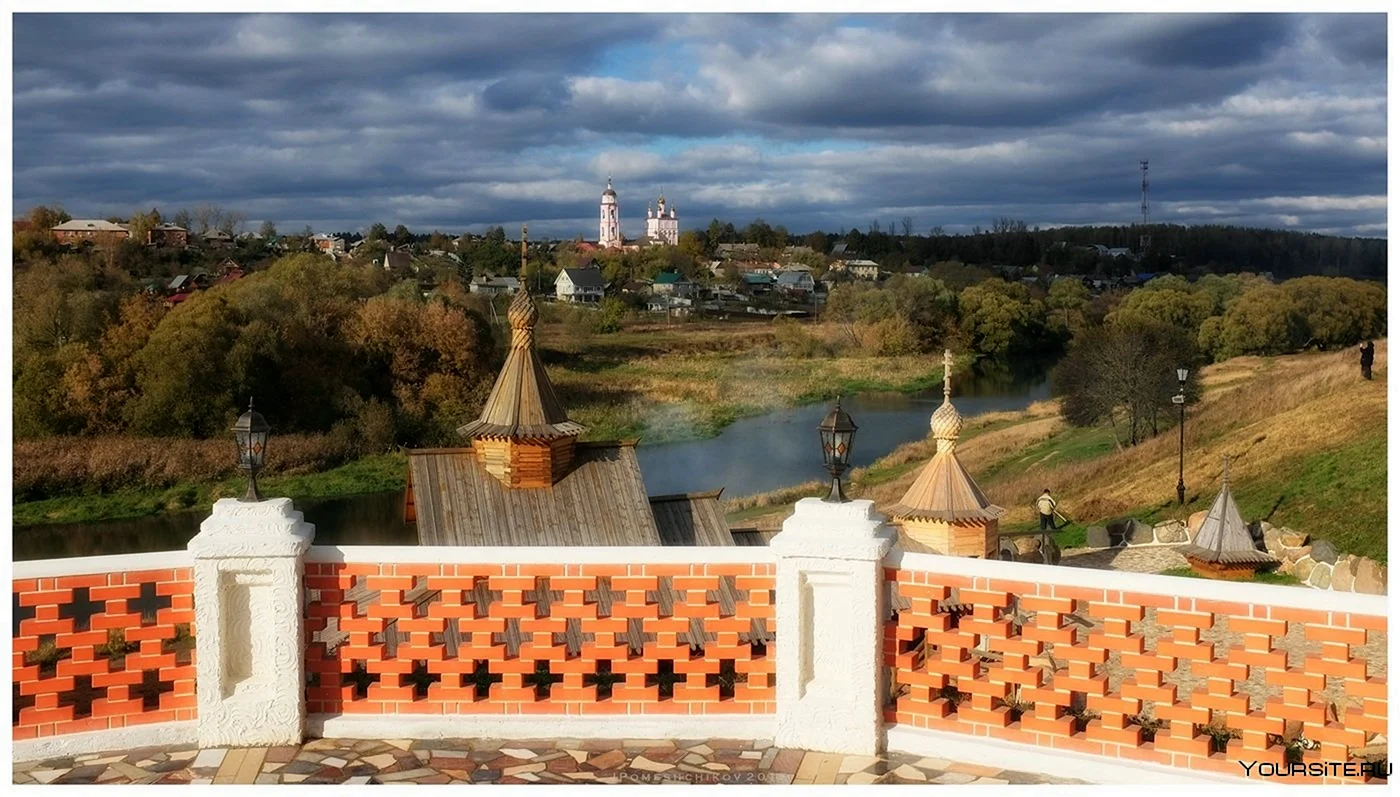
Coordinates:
665	678
482	678
361	678
19	703
726	678
182	645
149	603
603	678
115	649
80	697
47	655
151	688
542	679
81	609
422	679
758	649
917	643
20	613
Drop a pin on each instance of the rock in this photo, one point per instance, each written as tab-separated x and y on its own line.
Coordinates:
1291	538
1097	537
1027	545
612	759
1193	523
1292	555
1321	576
1369	577
1172	531
1302	569
1342	574
1139	533
1272	541
1324	551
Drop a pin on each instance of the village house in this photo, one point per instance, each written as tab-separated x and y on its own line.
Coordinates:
168	234
487	285
397	260
859	268
229	271
98	231
737	251
756	284
636	287
328	244
795	282
217	239
579	285
672	283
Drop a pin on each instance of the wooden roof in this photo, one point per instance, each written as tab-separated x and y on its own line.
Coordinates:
691	519
1224	537
522	403
601	501
945	491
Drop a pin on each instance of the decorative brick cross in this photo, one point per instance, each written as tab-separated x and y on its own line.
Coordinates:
151	688
484	679
665	678
542	679
149	603
82	608
82	694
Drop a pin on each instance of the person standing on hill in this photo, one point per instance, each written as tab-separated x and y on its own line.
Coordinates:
1046	506
1368	356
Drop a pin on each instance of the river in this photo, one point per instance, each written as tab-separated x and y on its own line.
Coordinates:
752	455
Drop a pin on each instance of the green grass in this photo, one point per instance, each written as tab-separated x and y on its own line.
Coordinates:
1073	444
370	474
1267	577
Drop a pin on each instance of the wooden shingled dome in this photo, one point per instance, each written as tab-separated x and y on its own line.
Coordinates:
524	436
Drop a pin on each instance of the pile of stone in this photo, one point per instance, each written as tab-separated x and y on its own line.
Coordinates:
1316	563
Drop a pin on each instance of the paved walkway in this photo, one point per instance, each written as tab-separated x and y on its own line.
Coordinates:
497	761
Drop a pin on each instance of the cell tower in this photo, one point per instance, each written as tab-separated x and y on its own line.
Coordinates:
1144	240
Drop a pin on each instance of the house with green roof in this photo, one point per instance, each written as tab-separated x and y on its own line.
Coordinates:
672	283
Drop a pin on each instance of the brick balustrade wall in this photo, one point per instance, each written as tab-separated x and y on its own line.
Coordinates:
1138	667
102	643
502	638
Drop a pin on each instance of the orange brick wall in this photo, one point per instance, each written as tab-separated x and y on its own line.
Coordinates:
1042	674
727	668
68	679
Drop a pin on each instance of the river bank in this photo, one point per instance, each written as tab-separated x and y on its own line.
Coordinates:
1298	460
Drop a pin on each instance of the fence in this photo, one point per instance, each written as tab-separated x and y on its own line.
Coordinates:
826	640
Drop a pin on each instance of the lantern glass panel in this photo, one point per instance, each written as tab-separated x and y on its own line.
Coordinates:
1181	374
841	447
829	445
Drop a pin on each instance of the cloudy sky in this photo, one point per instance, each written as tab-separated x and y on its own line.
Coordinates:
457	122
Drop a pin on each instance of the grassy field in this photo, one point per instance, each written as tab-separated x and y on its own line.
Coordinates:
1305	433
664	383
371	474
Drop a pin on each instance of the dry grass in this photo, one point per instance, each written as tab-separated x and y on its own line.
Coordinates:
1273	414
69	465
1267	413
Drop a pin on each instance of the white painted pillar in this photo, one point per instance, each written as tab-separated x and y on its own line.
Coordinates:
249	645
830	607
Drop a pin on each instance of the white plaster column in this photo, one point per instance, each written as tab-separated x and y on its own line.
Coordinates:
249	630
830	607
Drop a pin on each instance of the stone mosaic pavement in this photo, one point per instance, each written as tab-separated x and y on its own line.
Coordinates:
637	761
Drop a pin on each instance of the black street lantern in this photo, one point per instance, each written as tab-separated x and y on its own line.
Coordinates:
1180	401
251	434
838	433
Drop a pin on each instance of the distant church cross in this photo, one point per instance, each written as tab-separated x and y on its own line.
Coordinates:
947	374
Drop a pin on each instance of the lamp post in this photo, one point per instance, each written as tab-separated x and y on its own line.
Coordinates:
1180	401
837	433
251	434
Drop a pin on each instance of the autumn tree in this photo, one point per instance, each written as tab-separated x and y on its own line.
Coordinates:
1124	373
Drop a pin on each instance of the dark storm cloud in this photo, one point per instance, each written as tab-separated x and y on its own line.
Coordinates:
459	121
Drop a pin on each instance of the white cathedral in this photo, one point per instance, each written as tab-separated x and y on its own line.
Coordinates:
662	225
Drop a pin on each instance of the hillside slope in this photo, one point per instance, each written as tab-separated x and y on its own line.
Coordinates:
1306	434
